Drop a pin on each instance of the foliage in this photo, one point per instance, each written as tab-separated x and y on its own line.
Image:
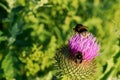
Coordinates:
32	30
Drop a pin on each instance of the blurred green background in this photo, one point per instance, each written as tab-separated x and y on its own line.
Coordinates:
32	30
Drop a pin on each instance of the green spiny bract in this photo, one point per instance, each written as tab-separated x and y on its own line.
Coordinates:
66	66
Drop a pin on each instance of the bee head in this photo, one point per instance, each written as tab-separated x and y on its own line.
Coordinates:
78	55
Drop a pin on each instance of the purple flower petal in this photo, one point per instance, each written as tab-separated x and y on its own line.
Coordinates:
87	45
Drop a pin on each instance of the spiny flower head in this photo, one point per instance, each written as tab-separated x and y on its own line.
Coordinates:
88	46
76	59
70	69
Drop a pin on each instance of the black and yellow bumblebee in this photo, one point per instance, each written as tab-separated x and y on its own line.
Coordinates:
79	28
77	57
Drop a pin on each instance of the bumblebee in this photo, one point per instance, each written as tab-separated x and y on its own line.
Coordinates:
78	57
79	28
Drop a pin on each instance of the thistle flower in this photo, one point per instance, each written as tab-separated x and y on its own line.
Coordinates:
65	57
86	45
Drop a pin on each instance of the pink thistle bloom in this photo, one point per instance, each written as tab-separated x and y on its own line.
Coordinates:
88	46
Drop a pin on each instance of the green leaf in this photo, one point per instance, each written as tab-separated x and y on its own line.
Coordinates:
2	38
17	9
7	66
